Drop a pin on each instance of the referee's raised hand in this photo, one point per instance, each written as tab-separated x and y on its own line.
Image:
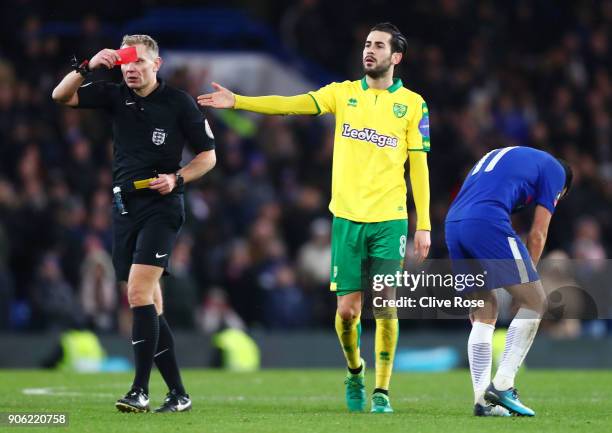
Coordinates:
105	58
220	98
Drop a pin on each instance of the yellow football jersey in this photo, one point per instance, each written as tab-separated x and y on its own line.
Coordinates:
375	129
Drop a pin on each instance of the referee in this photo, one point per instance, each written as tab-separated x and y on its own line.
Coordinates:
151	122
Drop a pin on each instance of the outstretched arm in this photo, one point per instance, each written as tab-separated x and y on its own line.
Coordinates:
224	98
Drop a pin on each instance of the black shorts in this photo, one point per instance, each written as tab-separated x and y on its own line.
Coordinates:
146	235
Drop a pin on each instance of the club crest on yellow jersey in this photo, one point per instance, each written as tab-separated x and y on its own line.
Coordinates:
399	110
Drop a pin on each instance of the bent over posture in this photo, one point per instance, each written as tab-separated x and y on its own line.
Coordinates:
480	238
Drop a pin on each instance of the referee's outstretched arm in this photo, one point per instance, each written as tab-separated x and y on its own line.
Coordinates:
65	92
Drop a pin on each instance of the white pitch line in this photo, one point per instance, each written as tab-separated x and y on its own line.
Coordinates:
60	392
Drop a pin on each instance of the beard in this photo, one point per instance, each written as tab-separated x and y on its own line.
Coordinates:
378	71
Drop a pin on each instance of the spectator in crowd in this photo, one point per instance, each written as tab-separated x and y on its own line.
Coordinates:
53	302
180	289
286	305
313	267
593	274
566	301
98	289
315	255
216	313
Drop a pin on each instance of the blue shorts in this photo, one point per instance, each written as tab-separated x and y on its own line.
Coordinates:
491	249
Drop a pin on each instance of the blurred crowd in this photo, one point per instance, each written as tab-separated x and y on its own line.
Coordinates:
256	247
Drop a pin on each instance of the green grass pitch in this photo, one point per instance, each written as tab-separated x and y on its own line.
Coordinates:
308	401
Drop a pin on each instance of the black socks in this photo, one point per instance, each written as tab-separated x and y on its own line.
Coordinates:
165	359
145	333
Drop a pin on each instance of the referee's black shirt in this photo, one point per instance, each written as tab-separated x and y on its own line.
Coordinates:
148	133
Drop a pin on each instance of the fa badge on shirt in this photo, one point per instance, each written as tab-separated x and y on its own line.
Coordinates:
159	136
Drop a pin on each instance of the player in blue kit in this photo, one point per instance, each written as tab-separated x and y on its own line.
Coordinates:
480	238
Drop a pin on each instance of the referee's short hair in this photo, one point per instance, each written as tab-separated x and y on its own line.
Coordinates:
399	44
145	40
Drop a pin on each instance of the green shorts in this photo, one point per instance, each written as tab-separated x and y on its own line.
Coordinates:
361	250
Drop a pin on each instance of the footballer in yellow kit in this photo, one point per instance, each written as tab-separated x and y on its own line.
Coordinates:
375	129
379	125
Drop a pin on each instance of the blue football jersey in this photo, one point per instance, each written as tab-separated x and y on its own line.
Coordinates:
508	179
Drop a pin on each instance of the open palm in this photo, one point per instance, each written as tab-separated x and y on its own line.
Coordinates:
220	98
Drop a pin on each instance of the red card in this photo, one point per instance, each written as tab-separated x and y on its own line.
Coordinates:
127	55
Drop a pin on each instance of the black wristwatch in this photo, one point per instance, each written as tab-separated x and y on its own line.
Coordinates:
180	180
82	67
